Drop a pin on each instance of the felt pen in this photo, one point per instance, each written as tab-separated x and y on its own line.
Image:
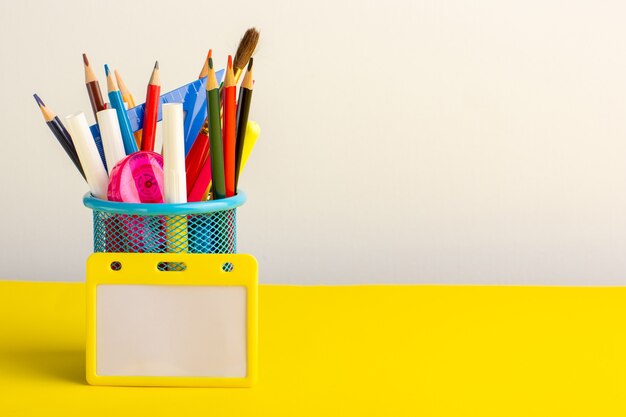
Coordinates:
97	177
111	137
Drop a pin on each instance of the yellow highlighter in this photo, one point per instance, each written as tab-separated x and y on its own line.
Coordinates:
253	130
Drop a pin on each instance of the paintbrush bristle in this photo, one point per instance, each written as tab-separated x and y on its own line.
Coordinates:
246	48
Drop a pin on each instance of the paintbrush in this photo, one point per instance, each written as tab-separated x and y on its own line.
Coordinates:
246	48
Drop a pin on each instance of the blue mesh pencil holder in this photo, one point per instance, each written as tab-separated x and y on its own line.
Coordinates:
202	227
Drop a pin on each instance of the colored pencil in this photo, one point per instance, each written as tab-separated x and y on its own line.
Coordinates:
245	49
205	68
215	135
129	100
253	130
96	175
93	88
199	189
59	132
115	97
243	110
230	128
199	151
126	94
151	110
197	157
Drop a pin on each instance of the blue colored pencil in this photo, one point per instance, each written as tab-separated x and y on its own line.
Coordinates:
115	98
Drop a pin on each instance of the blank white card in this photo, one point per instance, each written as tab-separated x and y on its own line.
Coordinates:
159	330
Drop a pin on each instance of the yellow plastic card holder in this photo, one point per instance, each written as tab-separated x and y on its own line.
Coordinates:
172	320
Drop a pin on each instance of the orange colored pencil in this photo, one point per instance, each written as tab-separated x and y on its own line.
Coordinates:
199	151
204	72
229	128
130	101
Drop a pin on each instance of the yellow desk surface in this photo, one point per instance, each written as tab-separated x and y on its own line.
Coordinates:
343	351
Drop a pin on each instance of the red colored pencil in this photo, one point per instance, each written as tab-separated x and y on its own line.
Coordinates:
151	110
196	158
229	128
202	183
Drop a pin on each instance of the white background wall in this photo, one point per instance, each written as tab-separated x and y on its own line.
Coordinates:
408	141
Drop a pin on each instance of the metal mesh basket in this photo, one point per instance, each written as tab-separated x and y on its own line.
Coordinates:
204	227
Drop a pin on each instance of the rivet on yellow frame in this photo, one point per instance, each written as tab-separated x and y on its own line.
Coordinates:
172	319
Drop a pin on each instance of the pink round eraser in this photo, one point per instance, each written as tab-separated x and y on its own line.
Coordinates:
138	178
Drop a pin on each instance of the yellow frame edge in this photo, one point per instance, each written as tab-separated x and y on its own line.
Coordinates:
138	269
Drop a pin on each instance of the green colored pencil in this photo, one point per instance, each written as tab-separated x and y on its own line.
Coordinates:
215	135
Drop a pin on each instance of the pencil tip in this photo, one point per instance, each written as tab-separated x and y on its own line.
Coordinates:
211	62
156	65
38	100
85	60
250	63
210	54
106	70
230	61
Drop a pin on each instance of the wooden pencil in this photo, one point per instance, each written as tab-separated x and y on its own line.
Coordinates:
151	110
197	157
117	102
215	135
230	127
60	133
93	89
243	110
126	94
205	68
198	153
129	100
